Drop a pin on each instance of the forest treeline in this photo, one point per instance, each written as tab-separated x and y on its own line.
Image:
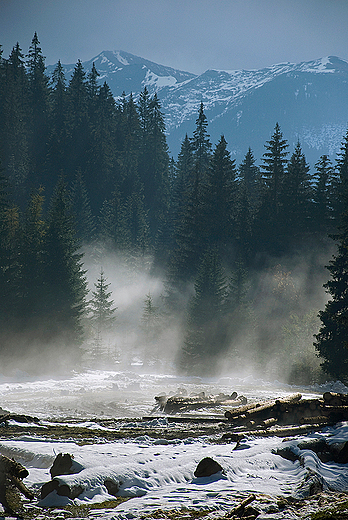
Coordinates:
79	168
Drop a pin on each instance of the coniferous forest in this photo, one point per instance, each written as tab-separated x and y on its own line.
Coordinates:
241	249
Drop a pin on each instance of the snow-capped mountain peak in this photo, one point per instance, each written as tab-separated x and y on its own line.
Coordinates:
309	100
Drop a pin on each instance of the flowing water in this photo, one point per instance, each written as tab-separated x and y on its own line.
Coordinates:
159	473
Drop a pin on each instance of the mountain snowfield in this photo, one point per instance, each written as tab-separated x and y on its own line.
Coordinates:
158	473
309	100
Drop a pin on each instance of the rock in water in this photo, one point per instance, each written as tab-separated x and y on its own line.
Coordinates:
207	467
64	464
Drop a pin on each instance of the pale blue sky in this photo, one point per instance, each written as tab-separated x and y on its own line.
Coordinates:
192	35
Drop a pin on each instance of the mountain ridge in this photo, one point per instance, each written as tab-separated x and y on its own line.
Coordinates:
308	99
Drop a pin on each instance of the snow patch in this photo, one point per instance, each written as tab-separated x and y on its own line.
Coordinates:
120	58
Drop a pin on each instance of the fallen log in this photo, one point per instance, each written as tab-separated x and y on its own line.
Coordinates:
289	431
232	414
11	475
335	399
179	403
276	410
240	509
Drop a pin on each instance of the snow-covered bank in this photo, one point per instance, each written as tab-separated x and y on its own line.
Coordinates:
159	473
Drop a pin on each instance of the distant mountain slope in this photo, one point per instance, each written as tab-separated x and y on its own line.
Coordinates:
309	100
127	73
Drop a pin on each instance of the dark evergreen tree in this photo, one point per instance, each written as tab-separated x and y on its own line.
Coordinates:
33	257
183	182
322	197
100	179
273	169
132	227
250	180
56	160
153	161
296	199
190	241
14	129
78	124
331	341
92	83
10	269
65	276
268	223
128	139
108	217
201	146
38	101
205	338
84	221
340	180
219	202
150	321
103	313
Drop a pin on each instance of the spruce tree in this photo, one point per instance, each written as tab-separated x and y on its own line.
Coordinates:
39	105
322	197
84	221
153	161
150	321
183	179
14	130
201	146
331	341
102	310
65	277
78	124
250	180
340	181
10	268
102	169
219	202
296	199
33	256
268	228
273	169
205	338
58	131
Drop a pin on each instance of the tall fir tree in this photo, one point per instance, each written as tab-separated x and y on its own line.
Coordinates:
102	310
153	161
100	175
65	277
205	338
296	200
322	197
268	224
56	160
84	220
14	130
331	341
219	202
33	257
10	268
340	181
250	180
78	124
201	146
38	98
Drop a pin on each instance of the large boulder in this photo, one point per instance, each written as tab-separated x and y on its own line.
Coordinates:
64	464
62	489
207	467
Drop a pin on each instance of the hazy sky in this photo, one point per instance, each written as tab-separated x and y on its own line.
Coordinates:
192	35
